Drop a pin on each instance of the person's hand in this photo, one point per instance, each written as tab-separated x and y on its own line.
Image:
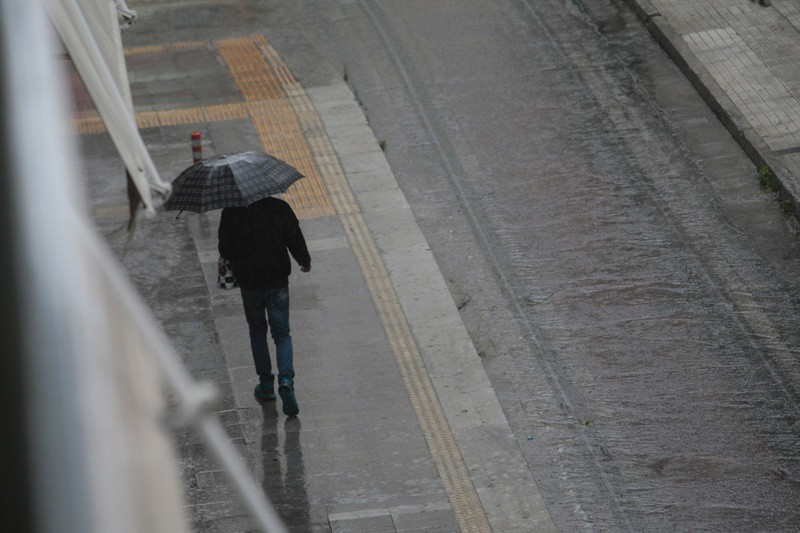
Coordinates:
305	268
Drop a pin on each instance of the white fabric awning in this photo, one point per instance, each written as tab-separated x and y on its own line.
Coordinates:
90	32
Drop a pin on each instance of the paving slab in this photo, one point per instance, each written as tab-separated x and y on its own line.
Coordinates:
744	60
399	427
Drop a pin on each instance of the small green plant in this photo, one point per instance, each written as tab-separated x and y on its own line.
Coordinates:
382	144
787	205
766	178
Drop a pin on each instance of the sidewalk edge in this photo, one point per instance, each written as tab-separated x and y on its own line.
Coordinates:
717	99
493	457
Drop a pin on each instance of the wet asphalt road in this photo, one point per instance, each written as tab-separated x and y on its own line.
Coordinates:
633	292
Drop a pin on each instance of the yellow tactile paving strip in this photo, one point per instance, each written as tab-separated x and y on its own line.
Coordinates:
289	127
464	500
274	120
266	106
250	71
172	117
166	47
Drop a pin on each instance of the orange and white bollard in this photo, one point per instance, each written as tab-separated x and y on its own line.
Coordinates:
197	148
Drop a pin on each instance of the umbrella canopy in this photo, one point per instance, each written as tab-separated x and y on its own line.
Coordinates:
231	180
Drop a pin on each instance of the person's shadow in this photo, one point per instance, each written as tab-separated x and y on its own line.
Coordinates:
284	471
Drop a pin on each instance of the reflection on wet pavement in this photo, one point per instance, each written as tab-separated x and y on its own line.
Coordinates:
283	475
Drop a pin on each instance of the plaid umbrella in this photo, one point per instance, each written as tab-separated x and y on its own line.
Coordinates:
229	181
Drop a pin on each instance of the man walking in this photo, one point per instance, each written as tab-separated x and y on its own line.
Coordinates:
257	240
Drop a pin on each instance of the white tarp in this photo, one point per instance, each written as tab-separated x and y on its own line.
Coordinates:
100	458
90	33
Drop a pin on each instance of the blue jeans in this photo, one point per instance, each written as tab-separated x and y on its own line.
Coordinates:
276	304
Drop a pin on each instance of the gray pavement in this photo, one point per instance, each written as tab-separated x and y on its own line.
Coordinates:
399	428
743	58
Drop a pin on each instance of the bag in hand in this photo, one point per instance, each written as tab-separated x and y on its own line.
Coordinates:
225	277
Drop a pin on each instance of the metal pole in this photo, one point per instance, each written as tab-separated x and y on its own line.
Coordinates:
47	462
15	491
194	400
197	148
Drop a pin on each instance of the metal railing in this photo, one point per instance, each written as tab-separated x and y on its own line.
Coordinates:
84	361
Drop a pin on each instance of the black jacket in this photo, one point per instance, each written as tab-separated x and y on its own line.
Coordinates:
255	239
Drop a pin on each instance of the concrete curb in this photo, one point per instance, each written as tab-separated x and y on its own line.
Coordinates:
495	462
717	99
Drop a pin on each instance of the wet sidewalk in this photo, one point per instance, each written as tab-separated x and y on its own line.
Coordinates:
744	59
399	428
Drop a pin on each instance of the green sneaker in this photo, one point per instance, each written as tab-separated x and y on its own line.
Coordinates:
265	392
286	390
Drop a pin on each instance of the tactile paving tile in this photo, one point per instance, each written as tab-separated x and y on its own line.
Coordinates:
263	84
166	47
464	500
249	69
288	127
275	121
